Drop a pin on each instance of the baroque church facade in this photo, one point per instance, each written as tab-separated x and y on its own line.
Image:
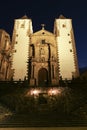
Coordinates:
43	57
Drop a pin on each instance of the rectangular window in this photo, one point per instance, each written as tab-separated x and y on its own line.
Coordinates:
70	50
15	51
22	25
68	34
43	41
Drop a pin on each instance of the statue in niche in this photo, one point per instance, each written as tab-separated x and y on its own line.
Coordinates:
42	52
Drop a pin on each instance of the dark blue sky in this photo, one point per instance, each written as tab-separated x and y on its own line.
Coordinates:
45	11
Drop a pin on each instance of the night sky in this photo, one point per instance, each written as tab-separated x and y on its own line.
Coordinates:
45	11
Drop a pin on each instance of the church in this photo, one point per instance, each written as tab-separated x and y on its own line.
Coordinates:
43	57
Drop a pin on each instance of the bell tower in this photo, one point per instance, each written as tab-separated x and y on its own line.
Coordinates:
20	42
66	49
43	65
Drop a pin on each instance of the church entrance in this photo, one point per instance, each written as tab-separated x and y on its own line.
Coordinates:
43	77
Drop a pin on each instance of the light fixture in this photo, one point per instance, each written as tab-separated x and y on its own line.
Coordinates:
54	91
35	92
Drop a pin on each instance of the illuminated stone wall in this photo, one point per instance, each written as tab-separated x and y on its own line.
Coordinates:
67	58
5	59
20	41
43	59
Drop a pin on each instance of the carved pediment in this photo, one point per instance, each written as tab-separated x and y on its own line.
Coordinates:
43	32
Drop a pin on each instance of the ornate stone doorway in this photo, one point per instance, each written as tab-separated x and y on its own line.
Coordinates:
43	77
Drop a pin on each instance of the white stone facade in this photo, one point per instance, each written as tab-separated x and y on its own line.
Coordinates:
21	41
52	54
67	58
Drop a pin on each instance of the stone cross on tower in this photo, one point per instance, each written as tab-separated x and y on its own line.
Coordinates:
43	25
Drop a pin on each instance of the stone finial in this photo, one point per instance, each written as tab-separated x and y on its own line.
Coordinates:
43	25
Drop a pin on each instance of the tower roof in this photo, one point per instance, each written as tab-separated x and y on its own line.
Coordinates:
62	17
25	17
